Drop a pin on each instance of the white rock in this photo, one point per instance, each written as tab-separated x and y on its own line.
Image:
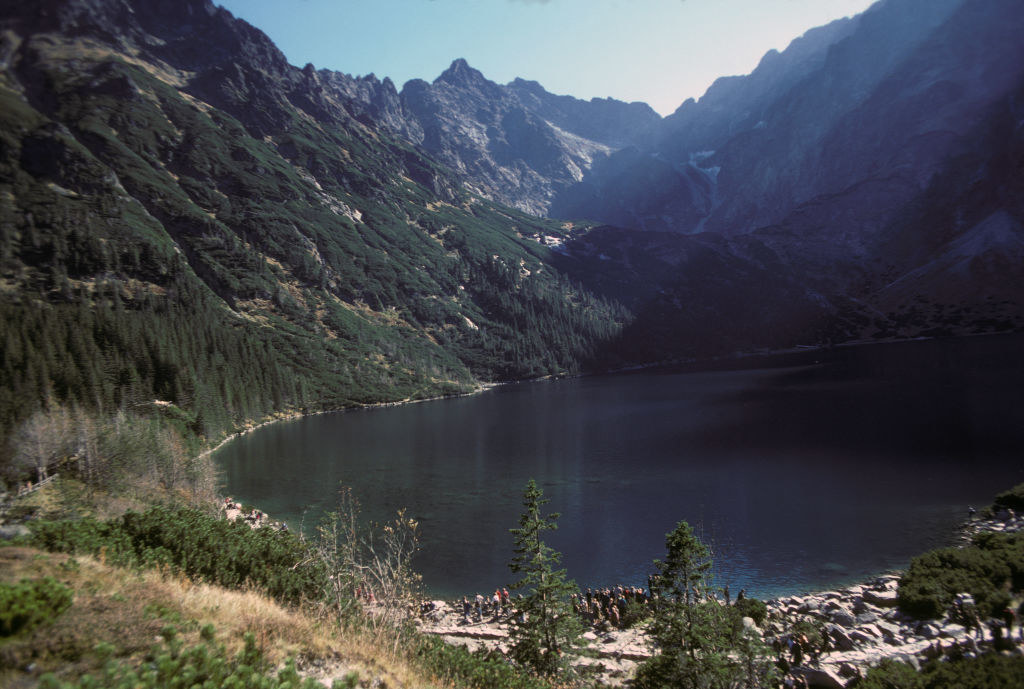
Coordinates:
884	599
888	628
809	605
872	630
861	637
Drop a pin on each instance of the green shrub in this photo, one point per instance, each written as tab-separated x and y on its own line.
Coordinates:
752	608
1012	499
990	568
483	669
890	674
31	603
989	671
200	546
170	666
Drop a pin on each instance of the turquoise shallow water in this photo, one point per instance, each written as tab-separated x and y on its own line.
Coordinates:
802	471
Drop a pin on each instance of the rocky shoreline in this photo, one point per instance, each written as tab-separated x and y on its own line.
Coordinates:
862	622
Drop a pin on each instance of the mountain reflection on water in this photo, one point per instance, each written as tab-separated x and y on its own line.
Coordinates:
802	471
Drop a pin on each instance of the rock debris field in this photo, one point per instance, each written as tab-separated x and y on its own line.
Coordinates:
863	624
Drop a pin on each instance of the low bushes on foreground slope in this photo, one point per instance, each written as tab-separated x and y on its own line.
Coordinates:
190	545
991	569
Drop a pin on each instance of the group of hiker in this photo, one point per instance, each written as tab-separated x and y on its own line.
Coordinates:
609	605
965	612
794	650
597	607
497	605
255	518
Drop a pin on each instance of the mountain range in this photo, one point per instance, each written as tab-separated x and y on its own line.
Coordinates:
187	218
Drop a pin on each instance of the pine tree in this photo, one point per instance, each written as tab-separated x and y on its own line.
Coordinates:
546	628
696	636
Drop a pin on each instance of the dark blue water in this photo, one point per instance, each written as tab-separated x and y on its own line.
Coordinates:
802	471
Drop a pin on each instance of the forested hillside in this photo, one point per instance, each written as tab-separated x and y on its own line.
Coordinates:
187	219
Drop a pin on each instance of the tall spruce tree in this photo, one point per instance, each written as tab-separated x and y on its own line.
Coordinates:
545	629
698	640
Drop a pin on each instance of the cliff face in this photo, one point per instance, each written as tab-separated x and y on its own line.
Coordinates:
516	144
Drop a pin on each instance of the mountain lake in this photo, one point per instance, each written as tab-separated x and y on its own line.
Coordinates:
802	471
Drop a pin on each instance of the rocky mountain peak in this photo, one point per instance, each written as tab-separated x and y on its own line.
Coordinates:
527	86
461	74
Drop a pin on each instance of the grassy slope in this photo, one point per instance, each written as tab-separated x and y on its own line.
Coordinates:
128	610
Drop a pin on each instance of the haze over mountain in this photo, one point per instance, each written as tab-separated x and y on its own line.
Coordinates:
188	218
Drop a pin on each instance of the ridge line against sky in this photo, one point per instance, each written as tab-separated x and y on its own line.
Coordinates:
660	52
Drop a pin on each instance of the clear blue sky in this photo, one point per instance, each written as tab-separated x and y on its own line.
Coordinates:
657	51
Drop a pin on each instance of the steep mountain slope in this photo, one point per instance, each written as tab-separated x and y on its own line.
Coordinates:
903	121
752	147
187	218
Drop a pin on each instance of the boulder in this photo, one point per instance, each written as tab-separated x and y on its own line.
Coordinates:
861	637
843	618
11	531
872	630
953	630
849	670
810	605
867	618
821	679
888	629
883	599
841	639
928	631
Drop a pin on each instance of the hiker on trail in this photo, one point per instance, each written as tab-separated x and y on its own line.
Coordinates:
467	608
968	614
798	652
614	617
1020	620
998	643
1008	617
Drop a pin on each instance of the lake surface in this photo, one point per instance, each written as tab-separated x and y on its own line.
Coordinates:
802	471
